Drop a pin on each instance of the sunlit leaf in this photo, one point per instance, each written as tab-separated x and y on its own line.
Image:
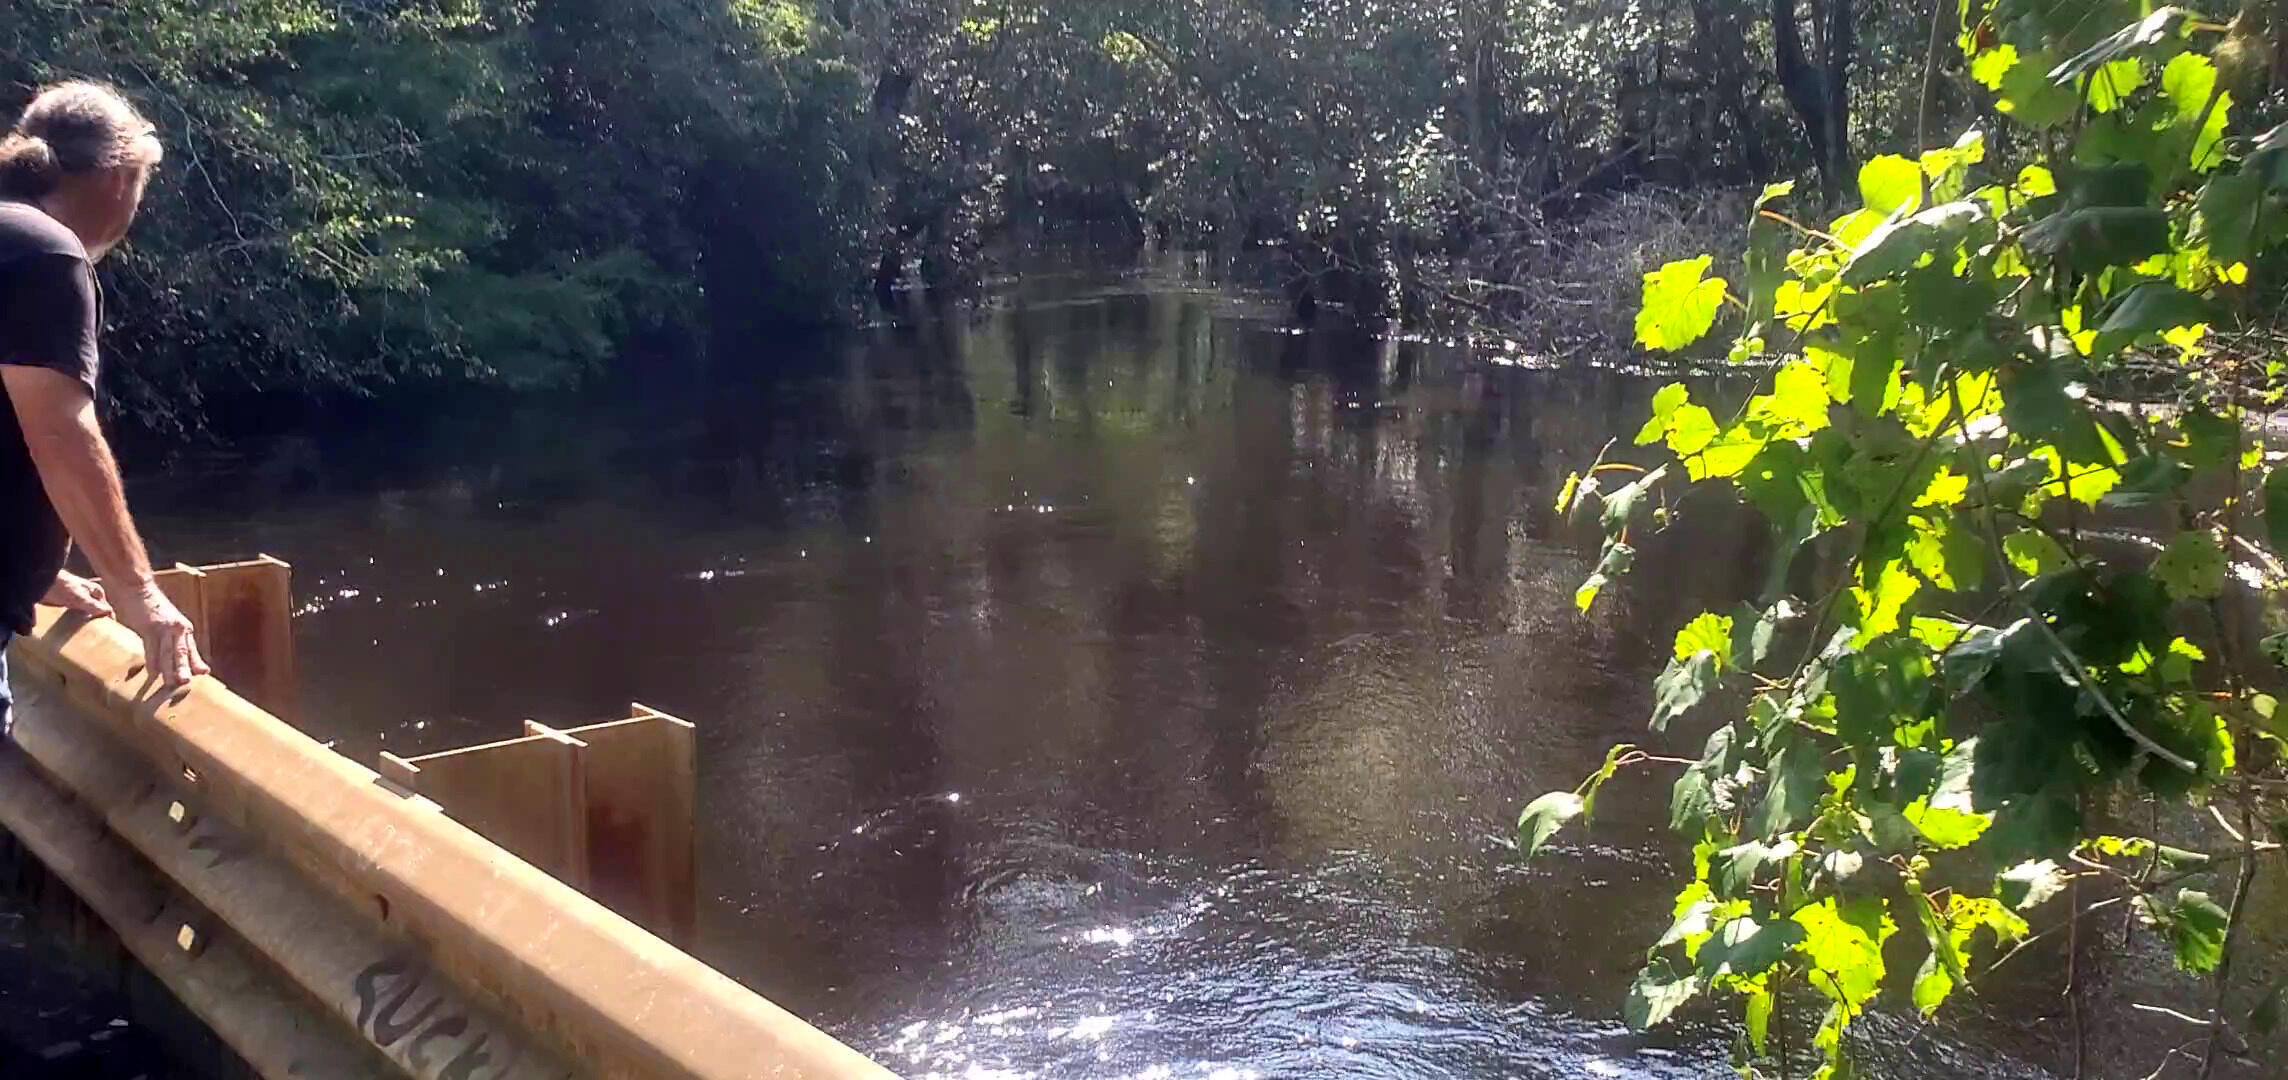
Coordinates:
2190	82
2192	567
1680	304
1565	495
1709	633
1848	946
1665	402
1890	184
2112	83
1656	995
1880	608
1544	816
1759	1016
1948	828
1990	66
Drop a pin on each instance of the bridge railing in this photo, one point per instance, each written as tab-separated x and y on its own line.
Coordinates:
327	924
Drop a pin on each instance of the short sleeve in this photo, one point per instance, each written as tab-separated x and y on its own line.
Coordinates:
49	315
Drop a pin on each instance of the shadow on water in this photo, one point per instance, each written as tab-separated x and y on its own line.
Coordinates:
1111	683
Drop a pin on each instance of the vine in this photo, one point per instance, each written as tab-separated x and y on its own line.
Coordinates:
1955	678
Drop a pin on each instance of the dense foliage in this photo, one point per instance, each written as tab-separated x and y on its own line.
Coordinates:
1978	393
368	191
360	192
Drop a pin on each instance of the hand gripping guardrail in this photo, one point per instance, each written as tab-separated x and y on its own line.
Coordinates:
327	925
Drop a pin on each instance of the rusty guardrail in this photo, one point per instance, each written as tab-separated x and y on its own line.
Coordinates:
328	924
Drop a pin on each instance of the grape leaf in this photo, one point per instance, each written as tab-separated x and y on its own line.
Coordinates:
1544	816
2192	567
1680	302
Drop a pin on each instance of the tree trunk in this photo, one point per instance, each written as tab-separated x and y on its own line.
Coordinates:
1487	28
1719	36
1842	49
1818	87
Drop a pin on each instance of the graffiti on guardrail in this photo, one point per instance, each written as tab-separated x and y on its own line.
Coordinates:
436	1039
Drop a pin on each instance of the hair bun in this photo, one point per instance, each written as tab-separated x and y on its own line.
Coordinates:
28	166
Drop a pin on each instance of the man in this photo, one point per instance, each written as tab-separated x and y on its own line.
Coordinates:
72	173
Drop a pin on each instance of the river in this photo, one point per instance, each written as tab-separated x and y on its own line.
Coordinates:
1113	682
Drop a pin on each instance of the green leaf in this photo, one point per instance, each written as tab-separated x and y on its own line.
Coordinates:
2111	84
1693	798
2097	238
1681	686
2210	440
1695	910
1544	816
1565	495
1759	1016
1990	66
2030	884
2034	553
1890	184
1898	246
1656	995
1585	597
2192	923
1780	190
1744	948
2192	567
2189	82
1665	402
1744	864
1690	430
1949	558
1797	405
1947	828
1880	609
2145	312
1680	303
1799	775
1847	946
2238	215
2081	481
2030	97
1618	557
1933	984
1710	633
2150	480
1596	783
1943	967
1947	817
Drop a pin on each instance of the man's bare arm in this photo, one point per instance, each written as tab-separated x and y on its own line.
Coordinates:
57	415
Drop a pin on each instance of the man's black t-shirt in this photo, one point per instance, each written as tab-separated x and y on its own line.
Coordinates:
49	315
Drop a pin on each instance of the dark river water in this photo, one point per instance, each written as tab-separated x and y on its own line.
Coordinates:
1113	683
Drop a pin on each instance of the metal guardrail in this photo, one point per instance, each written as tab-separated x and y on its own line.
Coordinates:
327	924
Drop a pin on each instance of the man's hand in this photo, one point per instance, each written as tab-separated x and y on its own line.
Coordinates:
170	649
74	593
